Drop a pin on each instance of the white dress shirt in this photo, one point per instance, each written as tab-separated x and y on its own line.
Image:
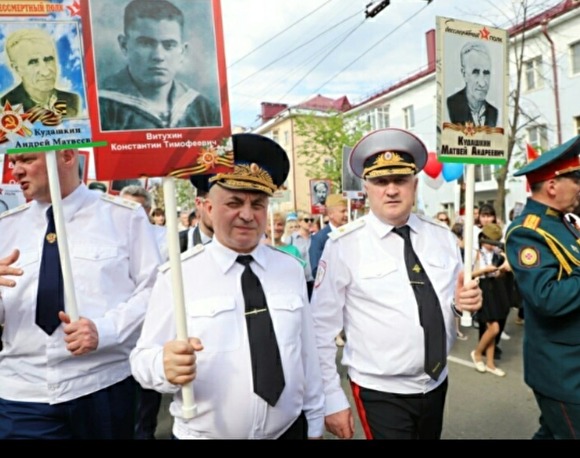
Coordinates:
114	260
226	404
364	288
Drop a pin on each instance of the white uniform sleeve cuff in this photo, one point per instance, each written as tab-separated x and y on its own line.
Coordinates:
336	402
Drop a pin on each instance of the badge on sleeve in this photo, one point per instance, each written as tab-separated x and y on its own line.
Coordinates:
320	274
529	257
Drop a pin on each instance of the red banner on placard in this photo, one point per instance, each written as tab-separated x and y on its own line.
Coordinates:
157	89
7	177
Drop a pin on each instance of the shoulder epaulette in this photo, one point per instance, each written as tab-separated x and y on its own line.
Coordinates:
120	201
278	250
346	229
193	251
14	210
434	221
532	222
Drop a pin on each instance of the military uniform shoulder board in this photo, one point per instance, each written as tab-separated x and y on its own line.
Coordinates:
14	210
434	221
346	229
278	250
532	222
120	201
193	251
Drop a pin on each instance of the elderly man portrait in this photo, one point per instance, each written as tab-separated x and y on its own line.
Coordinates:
33	58
145	94
470	104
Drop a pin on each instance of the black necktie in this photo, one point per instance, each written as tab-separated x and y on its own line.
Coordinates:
195	236
430	313
50	297
266	363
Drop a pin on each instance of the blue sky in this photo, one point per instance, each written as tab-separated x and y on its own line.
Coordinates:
356	58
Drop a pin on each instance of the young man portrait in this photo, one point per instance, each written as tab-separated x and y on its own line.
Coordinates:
146	93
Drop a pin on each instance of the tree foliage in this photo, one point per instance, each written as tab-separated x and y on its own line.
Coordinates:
323	139
185	194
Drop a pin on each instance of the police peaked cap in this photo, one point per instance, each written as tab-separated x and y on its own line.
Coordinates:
388	151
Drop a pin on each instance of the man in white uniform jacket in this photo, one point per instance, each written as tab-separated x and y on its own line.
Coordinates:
398	316
220	357
72	380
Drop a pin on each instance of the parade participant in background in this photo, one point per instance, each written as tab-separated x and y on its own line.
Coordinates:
542	249
337	213
278	231
61	379
202	231
490	261
393	280
247	315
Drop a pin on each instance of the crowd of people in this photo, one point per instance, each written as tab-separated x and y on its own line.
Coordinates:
270	297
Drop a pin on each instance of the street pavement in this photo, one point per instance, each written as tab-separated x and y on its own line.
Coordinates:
479	406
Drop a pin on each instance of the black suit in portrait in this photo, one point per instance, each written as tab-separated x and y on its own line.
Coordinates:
459	112
18	95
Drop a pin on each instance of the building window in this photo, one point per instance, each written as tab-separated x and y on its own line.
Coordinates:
483	173
409	114
275	136
286	137
533	71
538	137
577	124
575	54
378	118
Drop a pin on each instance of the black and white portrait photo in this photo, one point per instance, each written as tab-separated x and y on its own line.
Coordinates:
156	64
319	191
474	80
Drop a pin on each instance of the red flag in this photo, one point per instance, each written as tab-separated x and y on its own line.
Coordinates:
531	154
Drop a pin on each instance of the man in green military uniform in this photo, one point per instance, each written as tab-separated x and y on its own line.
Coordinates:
543	250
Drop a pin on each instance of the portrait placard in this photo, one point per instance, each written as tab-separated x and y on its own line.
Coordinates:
43	100
472	92
158	89
319	191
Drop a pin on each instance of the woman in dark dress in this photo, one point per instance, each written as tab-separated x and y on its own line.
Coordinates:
491	265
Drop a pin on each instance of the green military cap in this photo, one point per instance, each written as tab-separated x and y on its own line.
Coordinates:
556	162
388	152
335	200
491	232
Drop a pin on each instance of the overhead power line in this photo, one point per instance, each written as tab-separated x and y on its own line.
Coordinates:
294	50
322	60
279	33
384	37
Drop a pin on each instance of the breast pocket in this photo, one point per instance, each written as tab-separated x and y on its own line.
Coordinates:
94	253
286	313
215	322
26	258
376	276
97	268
